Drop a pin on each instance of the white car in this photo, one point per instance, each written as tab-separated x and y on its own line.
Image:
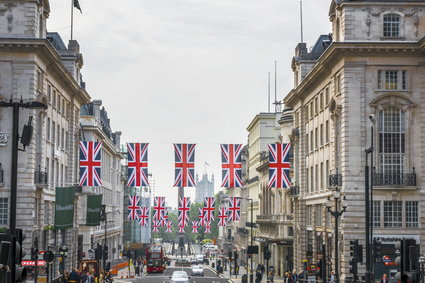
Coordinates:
179	277
197	270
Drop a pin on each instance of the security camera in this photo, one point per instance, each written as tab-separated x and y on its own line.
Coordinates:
372	117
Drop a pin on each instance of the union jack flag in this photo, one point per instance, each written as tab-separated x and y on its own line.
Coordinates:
222	216
185	165
90	163
133	207
137	165
201	217
231	165
181	229
208	209
279	165
184	207
234	209
159	208
155	226
144	216
164	219
207	227
194	227
169	226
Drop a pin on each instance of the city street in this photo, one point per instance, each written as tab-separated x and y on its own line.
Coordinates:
209	276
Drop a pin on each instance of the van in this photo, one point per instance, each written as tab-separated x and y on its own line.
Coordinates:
207	241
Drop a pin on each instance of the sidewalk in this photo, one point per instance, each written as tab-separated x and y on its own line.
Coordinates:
242	271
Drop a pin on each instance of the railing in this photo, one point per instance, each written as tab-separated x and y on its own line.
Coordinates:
394	179
243	231
264	217
41	178
335	180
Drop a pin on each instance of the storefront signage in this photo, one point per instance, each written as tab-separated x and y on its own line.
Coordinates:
392	239
32	263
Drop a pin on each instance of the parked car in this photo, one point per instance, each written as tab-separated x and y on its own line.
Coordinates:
179	277
197	270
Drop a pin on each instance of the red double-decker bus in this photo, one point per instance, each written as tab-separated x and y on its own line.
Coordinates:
155	258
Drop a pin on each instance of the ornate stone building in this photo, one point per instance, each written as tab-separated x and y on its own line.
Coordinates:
38	66
362	86
204	187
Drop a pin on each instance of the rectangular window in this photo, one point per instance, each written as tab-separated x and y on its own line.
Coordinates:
376	213
52	174
321	134
53	132
310	242
311	140
327	96
4	208
59	103
392	214
327	132
321	177
63	138
316	173
316	105
57	174
48	129
318	212
338	84
316	137
58	141
309	215
311	109
306	143
312	184
46	213
321	100
391	25
54	99
49	93
327	172
412	214
306	181
392	79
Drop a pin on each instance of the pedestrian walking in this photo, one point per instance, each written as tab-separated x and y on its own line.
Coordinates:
74	276
258	276
270	277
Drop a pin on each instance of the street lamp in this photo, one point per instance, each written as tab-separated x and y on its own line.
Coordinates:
336	213
105	246
14	172
422	263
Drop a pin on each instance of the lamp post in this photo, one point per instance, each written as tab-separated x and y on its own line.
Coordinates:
422	263
336	213
14	172
105	246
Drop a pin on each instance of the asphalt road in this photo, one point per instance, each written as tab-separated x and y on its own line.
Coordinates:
209	276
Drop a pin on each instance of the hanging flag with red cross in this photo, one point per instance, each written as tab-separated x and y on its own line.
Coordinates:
185	165
184	208
231	165
164	219
144	216
201	217
90	163
234	209
133	207
155	226
169	226
279	165
207	227
181	229
208	209
159	208
222	216
194	227
137	165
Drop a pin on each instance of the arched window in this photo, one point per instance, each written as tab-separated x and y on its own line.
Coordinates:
391	25
392	142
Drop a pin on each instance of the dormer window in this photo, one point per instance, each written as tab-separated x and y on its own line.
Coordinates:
391	25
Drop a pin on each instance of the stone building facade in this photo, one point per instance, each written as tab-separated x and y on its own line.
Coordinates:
361	86
38	66
204	187
95	125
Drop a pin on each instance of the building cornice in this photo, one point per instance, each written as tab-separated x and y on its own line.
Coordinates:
338	50
45	50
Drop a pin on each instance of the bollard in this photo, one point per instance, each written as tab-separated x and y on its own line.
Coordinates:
212	264
244	278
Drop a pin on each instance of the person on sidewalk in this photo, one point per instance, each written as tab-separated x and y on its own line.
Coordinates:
270	277
258	276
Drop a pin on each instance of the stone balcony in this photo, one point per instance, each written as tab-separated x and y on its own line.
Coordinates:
264	219
41	179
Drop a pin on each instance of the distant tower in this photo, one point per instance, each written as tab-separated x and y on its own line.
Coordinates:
204	188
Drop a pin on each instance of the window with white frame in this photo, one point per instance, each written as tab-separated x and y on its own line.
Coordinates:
391	26
309	215
392	141
393	214
4	208
412	214
392	79
318	212
376	213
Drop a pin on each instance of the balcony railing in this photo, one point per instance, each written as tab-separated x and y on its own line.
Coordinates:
394	179
335	180
40	178
243	231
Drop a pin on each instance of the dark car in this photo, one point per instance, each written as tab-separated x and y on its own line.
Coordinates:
182	262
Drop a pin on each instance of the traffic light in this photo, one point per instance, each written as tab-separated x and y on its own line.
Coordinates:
377	249
98	252
354	253
267	254
34	253
229	254
105	252
235	255
319	268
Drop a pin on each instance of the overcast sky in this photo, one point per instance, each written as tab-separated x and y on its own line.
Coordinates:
187	71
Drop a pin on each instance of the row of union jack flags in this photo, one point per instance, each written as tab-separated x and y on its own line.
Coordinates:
91	161
205	216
